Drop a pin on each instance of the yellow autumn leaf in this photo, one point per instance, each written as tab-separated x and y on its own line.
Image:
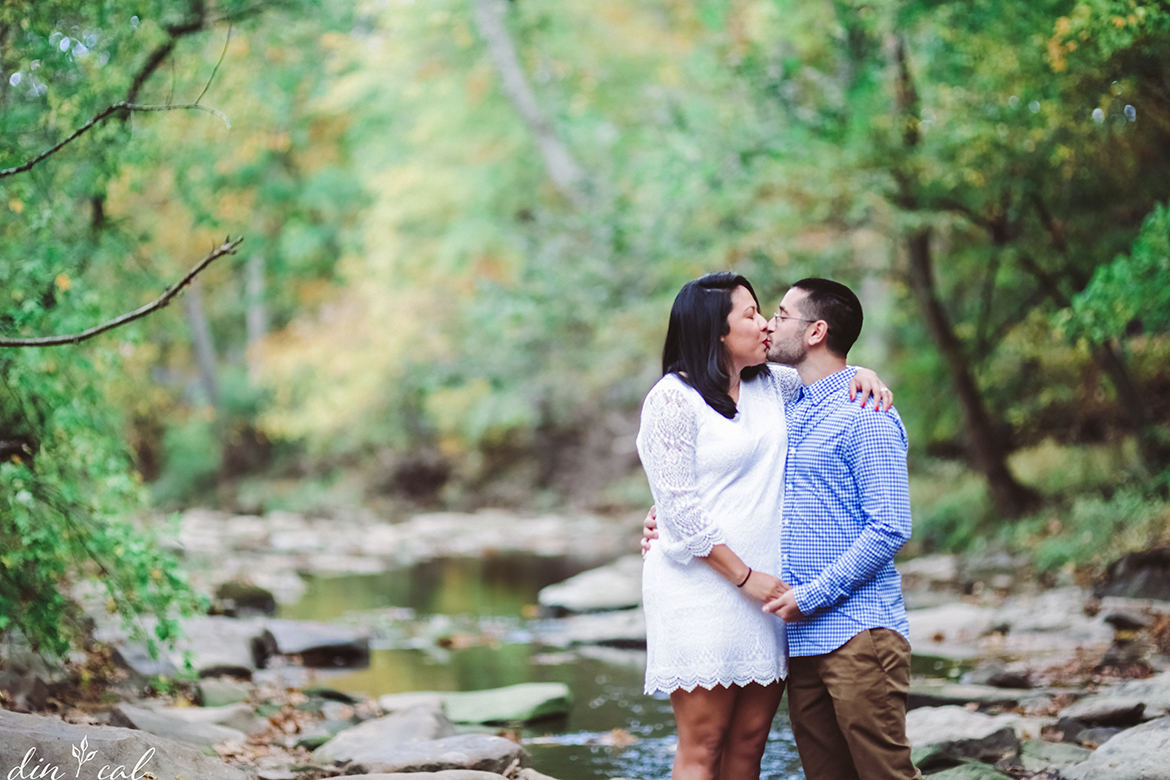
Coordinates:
63	282
15	205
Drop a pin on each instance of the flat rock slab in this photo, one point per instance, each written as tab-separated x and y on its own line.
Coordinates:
973	771
1036	755
161	724
944	736
514	703
465	751
55	740
616	586
1154	693
1107	711
446	774
220	692
396	702
1139	753
377	739
949	631
320	644
235	716
625	629
939	693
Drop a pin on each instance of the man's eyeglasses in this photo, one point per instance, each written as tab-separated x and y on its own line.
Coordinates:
782	317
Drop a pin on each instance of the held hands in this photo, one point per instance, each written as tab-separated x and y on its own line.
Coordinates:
866	385
785	607
764	588
649	530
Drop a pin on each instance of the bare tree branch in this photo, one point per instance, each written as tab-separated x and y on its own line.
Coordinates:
564	171
215	70
101	117
228	247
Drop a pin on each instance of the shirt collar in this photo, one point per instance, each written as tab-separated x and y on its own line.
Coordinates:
829	385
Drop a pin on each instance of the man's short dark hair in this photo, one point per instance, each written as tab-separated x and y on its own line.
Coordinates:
836	304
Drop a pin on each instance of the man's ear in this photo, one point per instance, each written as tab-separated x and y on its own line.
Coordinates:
819	333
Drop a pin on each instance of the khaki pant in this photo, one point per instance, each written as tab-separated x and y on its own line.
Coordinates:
848	709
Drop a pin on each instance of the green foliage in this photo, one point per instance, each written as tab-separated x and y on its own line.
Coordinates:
1133	290
952	512
71	256
1093	531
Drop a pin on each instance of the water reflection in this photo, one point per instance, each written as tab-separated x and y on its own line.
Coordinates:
460	624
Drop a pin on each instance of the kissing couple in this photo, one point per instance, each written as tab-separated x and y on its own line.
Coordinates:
780	499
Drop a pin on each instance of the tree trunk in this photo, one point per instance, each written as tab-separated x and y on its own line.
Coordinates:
1011	499
201	338
1155	453
256	318
564	171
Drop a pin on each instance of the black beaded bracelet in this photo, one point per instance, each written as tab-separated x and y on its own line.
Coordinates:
745	578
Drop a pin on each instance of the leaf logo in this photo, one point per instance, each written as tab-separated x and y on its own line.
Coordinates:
80	754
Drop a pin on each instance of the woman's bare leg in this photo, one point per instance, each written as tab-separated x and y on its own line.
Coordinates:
703	718
751	722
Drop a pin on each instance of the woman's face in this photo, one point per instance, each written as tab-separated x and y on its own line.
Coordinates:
747	336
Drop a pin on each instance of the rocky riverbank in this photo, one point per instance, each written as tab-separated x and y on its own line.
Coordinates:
1011	679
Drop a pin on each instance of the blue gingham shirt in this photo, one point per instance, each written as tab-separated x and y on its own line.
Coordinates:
846	513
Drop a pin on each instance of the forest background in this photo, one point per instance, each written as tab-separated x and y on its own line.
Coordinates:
463	224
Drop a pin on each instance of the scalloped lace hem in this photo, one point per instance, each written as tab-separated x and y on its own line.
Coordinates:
697	546
671	684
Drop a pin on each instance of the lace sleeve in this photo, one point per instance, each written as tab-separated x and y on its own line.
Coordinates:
666	444
786	380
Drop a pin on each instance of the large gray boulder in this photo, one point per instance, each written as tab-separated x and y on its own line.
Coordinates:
466	751
54	742
202	735
616	586
515	703
1143	575
375	739
1139	753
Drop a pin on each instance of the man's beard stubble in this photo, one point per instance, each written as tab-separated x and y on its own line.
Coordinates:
791	352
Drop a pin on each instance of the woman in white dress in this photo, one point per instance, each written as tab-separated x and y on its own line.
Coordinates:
713	443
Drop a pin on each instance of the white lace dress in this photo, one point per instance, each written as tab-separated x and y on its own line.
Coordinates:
715	481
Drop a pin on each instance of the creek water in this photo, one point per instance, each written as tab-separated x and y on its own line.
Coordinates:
461	624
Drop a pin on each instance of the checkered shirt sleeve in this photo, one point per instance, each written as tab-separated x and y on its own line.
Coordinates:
875	453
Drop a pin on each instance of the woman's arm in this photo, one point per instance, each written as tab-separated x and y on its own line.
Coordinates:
755	585
666	444
865	385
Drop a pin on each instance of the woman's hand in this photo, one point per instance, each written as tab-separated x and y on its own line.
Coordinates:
762	588
866	385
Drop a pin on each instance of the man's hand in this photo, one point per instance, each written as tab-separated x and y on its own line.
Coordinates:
785	607
649	530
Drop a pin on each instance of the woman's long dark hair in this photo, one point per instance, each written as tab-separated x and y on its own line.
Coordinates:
694	351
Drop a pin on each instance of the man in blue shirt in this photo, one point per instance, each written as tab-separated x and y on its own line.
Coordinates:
846	513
